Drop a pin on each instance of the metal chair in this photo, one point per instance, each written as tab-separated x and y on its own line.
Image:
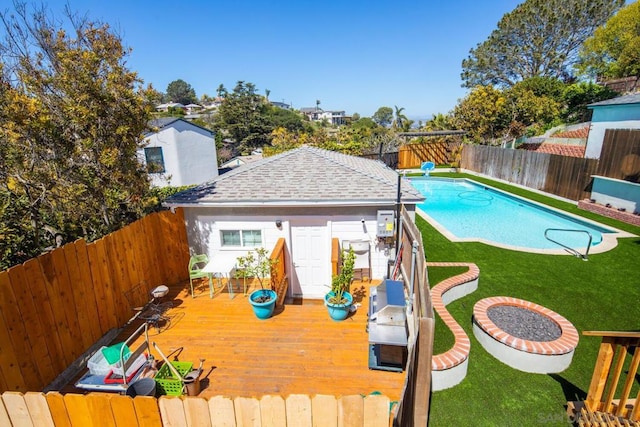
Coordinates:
153	311
196	264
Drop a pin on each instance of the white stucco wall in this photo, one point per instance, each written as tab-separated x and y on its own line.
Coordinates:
610	117
189	154
204	225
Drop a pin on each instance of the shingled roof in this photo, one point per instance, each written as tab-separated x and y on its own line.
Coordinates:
633	98
305	176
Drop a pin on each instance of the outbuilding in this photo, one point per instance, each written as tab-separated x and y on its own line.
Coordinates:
308	196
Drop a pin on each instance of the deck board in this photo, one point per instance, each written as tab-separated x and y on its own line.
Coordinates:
300	350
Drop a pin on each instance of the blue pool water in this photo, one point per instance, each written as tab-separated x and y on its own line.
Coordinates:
474	212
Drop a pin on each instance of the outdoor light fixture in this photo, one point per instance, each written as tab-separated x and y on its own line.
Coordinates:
279	223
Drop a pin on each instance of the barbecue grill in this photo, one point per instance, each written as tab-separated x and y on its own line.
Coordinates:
387	326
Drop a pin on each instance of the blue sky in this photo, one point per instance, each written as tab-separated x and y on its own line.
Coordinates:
355	55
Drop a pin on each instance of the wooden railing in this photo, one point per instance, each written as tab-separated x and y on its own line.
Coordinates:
279	280
616	365
53	308
106	409
335	255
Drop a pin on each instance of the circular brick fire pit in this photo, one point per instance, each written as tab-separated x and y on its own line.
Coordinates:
524	335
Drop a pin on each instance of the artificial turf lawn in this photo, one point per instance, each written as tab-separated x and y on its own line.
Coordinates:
602	293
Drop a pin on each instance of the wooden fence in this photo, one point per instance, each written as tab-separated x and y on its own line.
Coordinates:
53	308
412	155
568	177
390	159
106	409
414	404
620	155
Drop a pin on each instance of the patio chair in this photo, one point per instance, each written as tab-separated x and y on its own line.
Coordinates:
196	264
427	167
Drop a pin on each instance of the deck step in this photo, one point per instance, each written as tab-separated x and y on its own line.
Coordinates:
584	417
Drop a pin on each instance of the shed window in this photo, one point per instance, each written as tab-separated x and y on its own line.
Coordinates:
244	238
155	160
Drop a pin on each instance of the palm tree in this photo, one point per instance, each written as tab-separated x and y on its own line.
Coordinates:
317	104
439	122
267	92
400	120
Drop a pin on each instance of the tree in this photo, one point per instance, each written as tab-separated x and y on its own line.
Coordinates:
479	113
440	122
524	110
401	122
181	92
221	91
153	97
614	49
578	95
288	119
383	116
543	86
242	116
538	38
72	119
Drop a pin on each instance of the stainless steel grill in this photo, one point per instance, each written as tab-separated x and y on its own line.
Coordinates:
387	326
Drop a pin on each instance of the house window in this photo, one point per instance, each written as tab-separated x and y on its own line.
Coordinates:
155	160
243	238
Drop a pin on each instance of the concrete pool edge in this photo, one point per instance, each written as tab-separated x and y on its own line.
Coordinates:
609	239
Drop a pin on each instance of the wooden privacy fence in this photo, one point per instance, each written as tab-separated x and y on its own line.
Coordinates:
568	177
620	155
413	409
390	159
412	155
105	409
53	308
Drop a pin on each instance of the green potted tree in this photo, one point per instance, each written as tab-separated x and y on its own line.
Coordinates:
257	264
339	299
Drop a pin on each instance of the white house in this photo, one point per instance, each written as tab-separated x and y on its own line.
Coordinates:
163	108
336	118
308	196
622	112
179	153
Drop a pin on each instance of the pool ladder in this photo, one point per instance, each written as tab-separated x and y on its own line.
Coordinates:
568	248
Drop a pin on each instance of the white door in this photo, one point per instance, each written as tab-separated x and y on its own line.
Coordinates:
311	259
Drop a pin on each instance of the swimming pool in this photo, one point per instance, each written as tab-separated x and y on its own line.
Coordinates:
466	211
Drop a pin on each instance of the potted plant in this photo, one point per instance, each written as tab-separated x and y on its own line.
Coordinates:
257	264
339	299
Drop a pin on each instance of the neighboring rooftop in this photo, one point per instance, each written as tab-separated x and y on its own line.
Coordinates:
581	133
633	98
303	176
557	149
162	122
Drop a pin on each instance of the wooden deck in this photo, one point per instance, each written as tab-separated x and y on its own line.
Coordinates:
300	350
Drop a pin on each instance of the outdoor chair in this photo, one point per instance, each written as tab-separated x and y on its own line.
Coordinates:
362	251
196	264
